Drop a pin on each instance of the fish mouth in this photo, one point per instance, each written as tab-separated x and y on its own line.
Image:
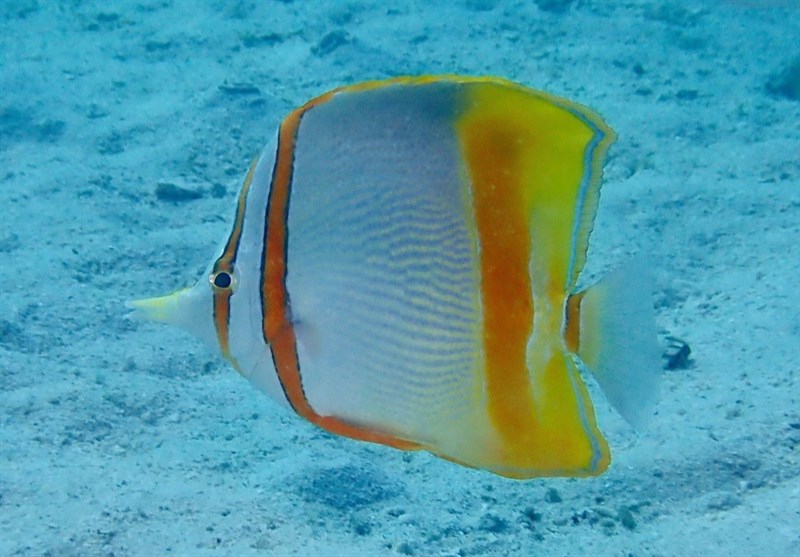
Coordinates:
162	309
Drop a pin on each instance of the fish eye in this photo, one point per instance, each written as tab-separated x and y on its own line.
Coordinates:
221	280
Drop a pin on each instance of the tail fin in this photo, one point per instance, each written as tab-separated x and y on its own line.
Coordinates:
618	340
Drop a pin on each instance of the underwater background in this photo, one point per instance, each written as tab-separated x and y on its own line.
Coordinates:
125	131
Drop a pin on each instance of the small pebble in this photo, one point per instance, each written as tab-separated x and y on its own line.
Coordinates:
493	523
786	83
218	191
331	42
723	502
167	191
626	518
552	496
531	514
239	89
405	549
677	355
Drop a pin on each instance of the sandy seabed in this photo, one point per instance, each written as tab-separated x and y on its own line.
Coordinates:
122	438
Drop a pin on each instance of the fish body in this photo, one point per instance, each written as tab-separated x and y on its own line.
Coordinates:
402	269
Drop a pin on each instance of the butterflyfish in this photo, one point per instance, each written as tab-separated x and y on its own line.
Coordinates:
403	269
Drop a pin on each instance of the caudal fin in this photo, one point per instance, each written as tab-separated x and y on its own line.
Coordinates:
618	340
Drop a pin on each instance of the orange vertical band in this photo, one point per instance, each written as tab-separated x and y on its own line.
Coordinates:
225	263
505	248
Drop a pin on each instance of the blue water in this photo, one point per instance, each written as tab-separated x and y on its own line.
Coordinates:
125	131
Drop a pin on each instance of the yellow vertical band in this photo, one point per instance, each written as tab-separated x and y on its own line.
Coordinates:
528	156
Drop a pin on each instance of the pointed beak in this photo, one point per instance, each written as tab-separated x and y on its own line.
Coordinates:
164	309
190	309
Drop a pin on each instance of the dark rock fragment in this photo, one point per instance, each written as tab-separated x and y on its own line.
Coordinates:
239	89
552	496
267	39
786	83
167	191
677	355
626	518
331	42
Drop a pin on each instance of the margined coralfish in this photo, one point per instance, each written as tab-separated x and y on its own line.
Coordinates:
402	269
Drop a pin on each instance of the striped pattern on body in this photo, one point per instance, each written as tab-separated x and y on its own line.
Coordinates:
489	262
